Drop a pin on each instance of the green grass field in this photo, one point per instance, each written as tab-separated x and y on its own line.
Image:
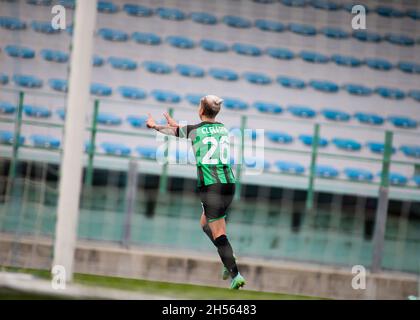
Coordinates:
170	290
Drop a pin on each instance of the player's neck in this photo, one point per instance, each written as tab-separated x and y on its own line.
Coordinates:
205	119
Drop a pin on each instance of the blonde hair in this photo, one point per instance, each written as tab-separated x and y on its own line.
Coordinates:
211	105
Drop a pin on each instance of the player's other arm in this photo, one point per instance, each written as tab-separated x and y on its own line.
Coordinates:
171	128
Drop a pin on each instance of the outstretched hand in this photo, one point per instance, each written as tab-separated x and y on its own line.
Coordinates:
150	123
170	120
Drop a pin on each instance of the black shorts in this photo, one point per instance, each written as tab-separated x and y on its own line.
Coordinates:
216	199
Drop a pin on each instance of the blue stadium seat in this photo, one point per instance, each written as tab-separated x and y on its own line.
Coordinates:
268	107
113	34
280	53
60	85
237	22
416	180
308	140
349	6
302	29
357	89
137	10
107	7
157	67
294	3
377	147
137	122
290	167
335	33
335	115
190	71
379	64
369	118
325	171
396	179
7	108
326	5
254	163
390	93
279	137
347	61
324	86
403	122
194	99
89	147
12	23
108	119
4	79
314	57
269	25
97	61
99	89
247	49
415	94
180	42
122	63
257	78
223	74
234	104
409	67
204	18
411	150
44	27
16	51
214	46
358	174
347	144
146	38
171	14
301	111
400	39
166	96
290	82
7	137
132	92
62	114
146	152
36	111
55	55
413	14
386	11
27	81
367	36
45	141
117	149
264	1
68	4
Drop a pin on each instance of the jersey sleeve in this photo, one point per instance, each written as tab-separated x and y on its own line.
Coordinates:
183	132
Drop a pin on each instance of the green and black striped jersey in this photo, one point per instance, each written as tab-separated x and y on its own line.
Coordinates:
211	145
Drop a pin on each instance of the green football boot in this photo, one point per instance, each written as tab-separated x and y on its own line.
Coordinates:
237	282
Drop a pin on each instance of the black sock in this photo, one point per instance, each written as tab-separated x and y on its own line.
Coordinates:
226	254
207	231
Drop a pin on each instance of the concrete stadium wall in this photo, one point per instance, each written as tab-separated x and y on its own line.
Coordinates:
185	267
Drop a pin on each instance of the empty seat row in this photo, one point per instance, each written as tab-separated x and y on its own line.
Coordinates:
290	167
382	10
176	14
232	21
274	136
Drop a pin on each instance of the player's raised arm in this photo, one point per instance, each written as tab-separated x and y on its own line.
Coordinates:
167	129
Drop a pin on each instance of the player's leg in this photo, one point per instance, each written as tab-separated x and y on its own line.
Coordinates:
205	227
